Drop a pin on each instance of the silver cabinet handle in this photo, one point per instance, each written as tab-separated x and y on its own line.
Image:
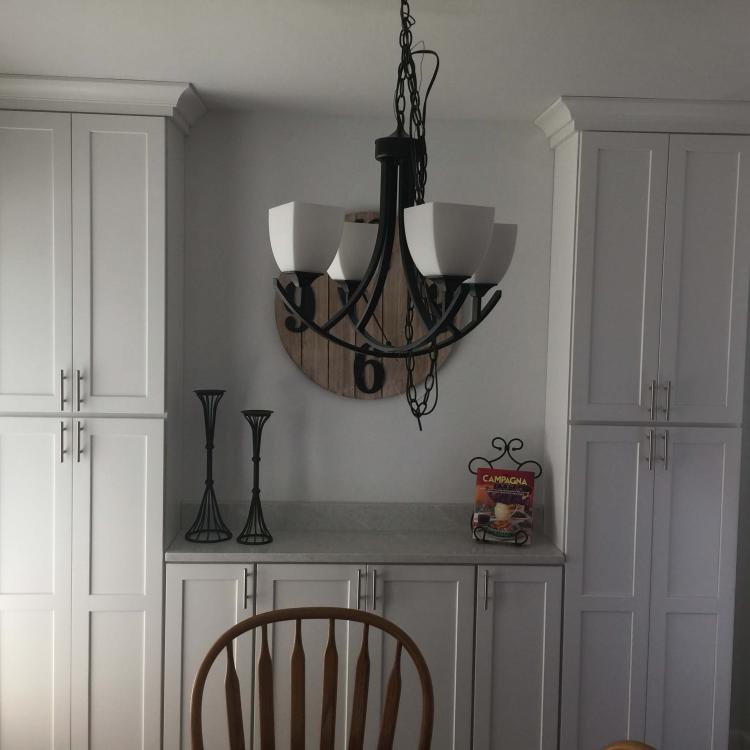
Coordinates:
62	442
374	587
245	595
80	448
79	400
486	588
63	400
668	404
650	456
666	450
359	587
652	409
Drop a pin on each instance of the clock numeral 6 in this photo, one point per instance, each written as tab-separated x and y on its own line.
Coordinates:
377	373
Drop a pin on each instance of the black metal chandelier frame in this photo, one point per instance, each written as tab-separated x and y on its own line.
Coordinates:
437	301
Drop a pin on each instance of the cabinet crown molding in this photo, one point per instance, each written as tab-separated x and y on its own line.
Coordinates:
180	101
570	114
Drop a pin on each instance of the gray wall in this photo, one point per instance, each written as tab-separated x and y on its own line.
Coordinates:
319	446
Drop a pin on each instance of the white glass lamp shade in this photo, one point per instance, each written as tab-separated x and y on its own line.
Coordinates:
305	236
498	256
355	251
448	239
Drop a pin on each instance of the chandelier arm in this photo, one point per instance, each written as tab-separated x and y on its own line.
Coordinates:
373	346
428	338
411	272
468	328
355	322
388	219
383	245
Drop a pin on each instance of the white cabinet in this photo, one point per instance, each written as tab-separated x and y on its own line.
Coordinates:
650	586
649	286
117	583
706	272
80	583
696	502
662	265
618	269
119	235
202	601
435	605
517	657
287	585
607	586
409	595
35	605
82	322
517	637
35	261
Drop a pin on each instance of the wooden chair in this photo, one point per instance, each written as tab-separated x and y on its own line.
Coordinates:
628	745
330	683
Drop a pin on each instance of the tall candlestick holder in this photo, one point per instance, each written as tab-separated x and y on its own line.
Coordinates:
256	531
209	527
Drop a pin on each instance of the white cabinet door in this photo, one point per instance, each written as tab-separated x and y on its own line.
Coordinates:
117	583
291	585
35	266
35	500
706	276
517	657
204	600
694	552
119	263
607	586
434	604
615	358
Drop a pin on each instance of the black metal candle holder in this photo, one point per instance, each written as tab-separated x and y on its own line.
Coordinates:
256	531
209	527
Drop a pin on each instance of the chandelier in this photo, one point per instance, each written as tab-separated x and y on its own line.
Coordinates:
452	254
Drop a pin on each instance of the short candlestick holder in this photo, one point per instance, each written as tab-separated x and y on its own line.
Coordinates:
256	531
209	527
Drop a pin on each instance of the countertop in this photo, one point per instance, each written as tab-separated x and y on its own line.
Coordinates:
386	546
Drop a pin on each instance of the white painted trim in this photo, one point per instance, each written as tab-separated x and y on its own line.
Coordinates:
576	113
179	101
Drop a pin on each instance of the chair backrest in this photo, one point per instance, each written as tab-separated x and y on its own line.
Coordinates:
330	682
628	745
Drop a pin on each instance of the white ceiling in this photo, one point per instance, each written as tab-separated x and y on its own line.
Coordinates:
501	59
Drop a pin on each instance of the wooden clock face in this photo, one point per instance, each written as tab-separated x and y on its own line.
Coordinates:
341	370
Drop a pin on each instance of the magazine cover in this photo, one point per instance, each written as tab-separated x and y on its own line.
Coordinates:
503	505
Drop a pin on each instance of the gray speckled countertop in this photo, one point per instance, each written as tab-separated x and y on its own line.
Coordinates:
363	533
438	547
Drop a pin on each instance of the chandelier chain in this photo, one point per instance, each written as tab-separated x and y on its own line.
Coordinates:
407	80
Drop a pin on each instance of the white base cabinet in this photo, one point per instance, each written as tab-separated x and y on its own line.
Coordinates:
202	601
519	635
517	657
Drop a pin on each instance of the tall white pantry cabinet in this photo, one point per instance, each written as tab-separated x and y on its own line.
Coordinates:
90	219
646	366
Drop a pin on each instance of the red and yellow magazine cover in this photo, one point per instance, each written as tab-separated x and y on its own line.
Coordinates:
503	505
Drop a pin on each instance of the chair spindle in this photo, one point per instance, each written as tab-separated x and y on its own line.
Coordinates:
234	704
392	697
330	686
297	727
361	688
265	694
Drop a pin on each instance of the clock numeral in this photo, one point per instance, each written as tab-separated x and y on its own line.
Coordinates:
305	298
377	373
